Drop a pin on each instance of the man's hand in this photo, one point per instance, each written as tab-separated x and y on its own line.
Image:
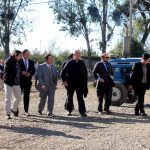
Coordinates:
65	83
28	74
43	87
130	87
101	80
24	73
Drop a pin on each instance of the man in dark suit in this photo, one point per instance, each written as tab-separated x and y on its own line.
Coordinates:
74	77
104	75
70	57
27	71
140	82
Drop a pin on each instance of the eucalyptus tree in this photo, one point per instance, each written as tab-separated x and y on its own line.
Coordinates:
101	14
141	22
12	22
73	17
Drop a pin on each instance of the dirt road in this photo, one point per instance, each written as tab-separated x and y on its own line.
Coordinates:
119	131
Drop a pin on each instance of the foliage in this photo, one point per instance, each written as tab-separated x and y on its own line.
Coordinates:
13	22
101	14
1	54
141	18
68	14
73	17
136	49
118	50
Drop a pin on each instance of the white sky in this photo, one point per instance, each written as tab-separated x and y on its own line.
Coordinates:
45	31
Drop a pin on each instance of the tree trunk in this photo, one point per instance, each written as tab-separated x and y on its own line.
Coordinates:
104	24
89	52
6	37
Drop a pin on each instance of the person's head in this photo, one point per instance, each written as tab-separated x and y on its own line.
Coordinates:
70	56
77	54
26	54
48	59
105	57
145	58
17	55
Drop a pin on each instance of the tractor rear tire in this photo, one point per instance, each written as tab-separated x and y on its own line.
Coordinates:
119	94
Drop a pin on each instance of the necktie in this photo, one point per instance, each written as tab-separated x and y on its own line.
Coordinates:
52	72
106	66
25	63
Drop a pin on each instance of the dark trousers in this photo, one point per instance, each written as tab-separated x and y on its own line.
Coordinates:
26	95
140	91
105	90
79	93
65	105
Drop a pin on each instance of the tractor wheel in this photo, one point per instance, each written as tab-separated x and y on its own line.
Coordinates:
119	94
131	97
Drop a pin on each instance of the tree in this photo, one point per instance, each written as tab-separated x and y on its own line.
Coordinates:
141	24
136	49
73	17
12	23
100	12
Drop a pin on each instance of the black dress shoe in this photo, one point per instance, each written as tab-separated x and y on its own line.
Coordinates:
15	112
84	115
40	112
143	114
108	112
69	114
50	115
136	113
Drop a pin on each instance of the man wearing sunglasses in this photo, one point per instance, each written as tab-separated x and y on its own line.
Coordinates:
104	75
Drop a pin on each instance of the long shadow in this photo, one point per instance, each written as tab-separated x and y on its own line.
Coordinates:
38	131
70	121
147	106
87	123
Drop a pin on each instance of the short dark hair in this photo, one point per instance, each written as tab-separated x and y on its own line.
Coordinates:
24	51
146	56
46	56
16	53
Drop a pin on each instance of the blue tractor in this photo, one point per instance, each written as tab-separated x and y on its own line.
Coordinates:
122	68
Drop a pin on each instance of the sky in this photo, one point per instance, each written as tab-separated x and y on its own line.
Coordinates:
46	32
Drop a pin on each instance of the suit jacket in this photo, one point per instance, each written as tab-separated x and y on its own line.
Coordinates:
10	70
100	71
137	75
46	77
31	69
75	73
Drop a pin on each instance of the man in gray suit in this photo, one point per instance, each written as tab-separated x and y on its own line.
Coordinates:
47	82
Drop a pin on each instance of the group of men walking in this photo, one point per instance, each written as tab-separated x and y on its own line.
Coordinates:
19	69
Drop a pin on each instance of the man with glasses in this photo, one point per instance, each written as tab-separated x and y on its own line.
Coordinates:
104	75
140	82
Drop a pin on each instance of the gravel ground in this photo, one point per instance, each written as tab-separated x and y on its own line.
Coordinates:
119	131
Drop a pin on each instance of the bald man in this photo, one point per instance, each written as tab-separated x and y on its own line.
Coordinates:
74	77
